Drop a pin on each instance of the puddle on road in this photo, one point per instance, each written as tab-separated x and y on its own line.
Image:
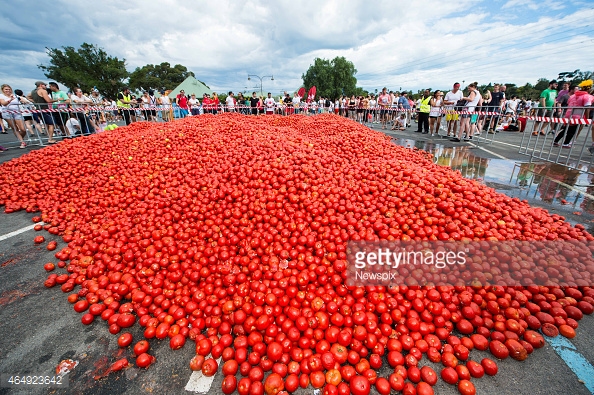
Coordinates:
557	188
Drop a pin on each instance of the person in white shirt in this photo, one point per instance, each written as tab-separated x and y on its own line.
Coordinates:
450	100
511	106
165	105
194	105
73	125
269	104
81	102
296	101
12	114
372	108
230	102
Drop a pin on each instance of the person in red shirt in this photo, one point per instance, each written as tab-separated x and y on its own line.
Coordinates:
182	101
206	104
216	104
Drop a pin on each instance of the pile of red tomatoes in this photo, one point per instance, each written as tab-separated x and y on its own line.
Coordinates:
230	231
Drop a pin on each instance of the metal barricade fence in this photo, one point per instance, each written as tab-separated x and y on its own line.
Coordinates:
562	136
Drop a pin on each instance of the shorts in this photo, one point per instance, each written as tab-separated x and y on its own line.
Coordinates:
464	116
269	112
544	112
12	116
473	118
47	118
452	117
433	116
60	118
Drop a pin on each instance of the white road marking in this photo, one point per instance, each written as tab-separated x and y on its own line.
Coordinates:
19	231
489	152
200	383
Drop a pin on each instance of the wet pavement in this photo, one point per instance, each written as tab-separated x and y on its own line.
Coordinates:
39	329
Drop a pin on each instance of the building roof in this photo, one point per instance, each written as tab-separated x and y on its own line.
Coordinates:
191	86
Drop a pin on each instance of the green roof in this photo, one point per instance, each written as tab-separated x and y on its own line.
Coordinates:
190	86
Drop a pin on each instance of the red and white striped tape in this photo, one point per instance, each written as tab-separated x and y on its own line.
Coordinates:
302	106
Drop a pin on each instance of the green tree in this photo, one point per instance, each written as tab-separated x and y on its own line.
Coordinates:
159	76
541	85
332	78
86	67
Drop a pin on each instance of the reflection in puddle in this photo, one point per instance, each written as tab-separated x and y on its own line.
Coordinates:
555	187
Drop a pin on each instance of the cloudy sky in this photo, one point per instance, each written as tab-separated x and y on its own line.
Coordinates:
409	45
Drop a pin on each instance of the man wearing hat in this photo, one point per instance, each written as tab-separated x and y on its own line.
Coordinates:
545	109
41	98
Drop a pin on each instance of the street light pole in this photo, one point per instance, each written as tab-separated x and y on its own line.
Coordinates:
260	78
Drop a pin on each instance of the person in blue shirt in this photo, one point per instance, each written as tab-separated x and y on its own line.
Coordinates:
403	104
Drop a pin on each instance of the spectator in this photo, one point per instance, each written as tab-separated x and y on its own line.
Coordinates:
40	98
165	105
360	108
11	112
125	103
194	105
404	105
207	104
372	108
451	98
97	116
254	101
511	108
80	103
241	103
153	105
29	118
494	105
400	122
230	102
423	113
296	103
73	125
288	104
61	102
182	101
471	102
216	104
580	98
547	102
436	104
352	106
269	103
384	104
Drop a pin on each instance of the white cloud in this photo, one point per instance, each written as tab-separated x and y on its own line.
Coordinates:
409	45
534	4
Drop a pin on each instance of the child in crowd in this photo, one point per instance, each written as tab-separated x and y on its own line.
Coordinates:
400	122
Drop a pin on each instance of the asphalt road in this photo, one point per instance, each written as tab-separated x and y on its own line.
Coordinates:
39	328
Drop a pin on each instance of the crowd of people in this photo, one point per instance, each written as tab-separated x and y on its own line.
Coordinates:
465	113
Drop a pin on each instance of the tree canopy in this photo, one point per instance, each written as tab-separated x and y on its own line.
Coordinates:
161	76
332	78
86	67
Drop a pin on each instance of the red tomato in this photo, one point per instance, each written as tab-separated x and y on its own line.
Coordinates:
465	387
144	360
209	367
141	347
359	385
125	340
